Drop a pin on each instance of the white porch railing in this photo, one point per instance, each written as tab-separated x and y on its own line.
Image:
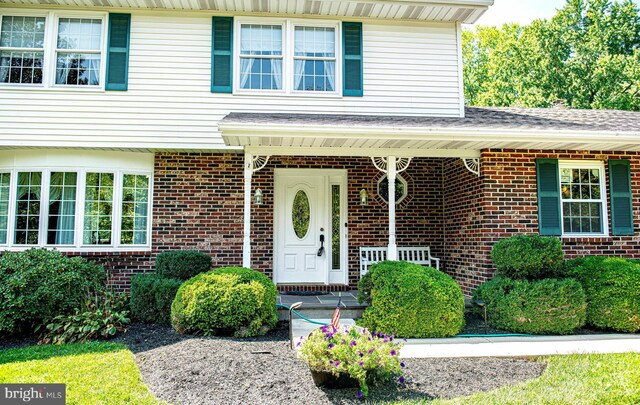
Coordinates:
412	254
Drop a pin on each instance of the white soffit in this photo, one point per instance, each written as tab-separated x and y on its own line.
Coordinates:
464	11
415	141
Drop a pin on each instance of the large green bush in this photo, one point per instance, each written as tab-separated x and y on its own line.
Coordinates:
413	301
182	264
39	284
528	257
549	306
230	300
612	286
151	298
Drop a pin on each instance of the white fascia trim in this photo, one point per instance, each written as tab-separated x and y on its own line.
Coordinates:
427	133
439	3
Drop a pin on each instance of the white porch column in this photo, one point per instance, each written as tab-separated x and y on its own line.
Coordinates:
392	249
246	243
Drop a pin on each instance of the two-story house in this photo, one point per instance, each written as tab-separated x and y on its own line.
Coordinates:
284	135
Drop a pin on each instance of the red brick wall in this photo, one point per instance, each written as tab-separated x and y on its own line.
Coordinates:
507	193
465	244
198	204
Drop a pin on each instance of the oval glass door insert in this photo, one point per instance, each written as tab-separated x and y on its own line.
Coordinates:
300	214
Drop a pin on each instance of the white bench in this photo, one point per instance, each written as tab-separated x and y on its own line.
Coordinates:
413	254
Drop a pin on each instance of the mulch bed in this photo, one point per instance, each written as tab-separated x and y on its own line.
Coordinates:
199	370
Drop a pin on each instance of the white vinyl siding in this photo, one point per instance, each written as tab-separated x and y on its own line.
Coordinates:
409	69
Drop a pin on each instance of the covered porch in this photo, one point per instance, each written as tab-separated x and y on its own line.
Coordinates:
381	198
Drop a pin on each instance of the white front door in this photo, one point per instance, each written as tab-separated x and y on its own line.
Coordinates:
303	227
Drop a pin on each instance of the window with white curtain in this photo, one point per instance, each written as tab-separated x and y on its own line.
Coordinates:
75	209
78	51
314	59
287	56
52	49
261	57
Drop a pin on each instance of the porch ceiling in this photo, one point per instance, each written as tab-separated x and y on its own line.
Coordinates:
481	128
465	11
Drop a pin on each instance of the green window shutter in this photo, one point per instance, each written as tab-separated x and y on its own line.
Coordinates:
118	51
352	71
222	55
548	179
621	197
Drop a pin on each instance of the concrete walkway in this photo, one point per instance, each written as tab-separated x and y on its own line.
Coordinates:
503	346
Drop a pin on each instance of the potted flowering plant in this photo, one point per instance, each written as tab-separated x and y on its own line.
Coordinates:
351	357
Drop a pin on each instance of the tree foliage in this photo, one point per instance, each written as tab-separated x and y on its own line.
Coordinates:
586	56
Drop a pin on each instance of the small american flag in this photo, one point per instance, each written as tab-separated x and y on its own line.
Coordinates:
335	319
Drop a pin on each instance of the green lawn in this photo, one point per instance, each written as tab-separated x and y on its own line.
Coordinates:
95	373
576	379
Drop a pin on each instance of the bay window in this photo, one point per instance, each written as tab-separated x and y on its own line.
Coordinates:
52	49
78	209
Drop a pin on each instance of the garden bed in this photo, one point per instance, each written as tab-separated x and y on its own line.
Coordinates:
193	370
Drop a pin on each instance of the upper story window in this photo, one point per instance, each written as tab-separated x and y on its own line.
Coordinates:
78	51
314	59
287	56
21	49
52	49
261	57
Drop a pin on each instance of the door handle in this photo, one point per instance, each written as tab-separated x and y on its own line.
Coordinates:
321	250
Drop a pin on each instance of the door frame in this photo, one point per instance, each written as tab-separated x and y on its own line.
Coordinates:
333	177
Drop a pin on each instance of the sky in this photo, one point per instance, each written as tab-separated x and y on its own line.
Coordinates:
520	11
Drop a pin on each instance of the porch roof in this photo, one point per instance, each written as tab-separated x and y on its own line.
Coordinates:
481	128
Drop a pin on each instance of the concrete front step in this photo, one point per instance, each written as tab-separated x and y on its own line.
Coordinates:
322	306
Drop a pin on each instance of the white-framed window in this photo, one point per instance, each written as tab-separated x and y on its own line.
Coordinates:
287	56
75	209
53	49
583	198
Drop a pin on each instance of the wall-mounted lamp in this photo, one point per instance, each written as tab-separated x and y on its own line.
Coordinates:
364	197
257	198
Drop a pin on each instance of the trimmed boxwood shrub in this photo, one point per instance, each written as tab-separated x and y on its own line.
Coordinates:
182	264
230	300
528	257
412	301
39	284
151	298
612	286
549	306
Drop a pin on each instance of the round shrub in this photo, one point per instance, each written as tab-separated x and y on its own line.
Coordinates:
230	300
528	257
612	286
549	306
182	264
413	301
151	298
39	284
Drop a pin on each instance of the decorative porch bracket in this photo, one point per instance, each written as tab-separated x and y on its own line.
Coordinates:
473	165
252	164
391	166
